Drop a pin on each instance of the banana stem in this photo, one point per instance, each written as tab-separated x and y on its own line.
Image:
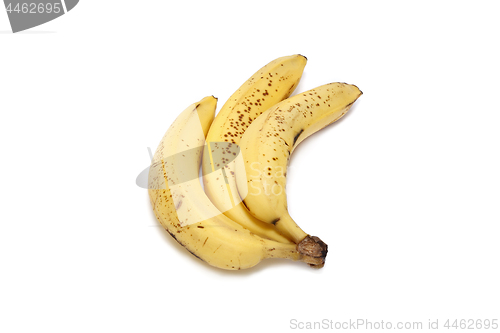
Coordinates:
287	226
314	251
311	251
311	248
281	250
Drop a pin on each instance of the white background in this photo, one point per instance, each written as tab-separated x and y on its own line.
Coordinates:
405	189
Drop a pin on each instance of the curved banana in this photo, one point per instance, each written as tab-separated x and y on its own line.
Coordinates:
184	210
266	147
268	86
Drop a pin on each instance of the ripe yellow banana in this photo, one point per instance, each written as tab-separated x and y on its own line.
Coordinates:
268	86
185	211
266	147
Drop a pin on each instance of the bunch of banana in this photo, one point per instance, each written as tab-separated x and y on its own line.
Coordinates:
241	216
183	208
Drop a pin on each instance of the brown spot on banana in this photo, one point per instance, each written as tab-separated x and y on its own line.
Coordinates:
297	136
172	234
244	204
179	204
194	254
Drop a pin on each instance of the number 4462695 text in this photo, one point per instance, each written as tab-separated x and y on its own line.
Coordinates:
34	8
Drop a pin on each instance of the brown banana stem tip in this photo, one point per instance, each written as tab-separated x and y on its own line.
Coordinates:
314	251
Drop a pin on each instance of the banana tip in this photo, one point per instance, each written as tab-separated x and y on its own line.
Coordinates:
360	92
